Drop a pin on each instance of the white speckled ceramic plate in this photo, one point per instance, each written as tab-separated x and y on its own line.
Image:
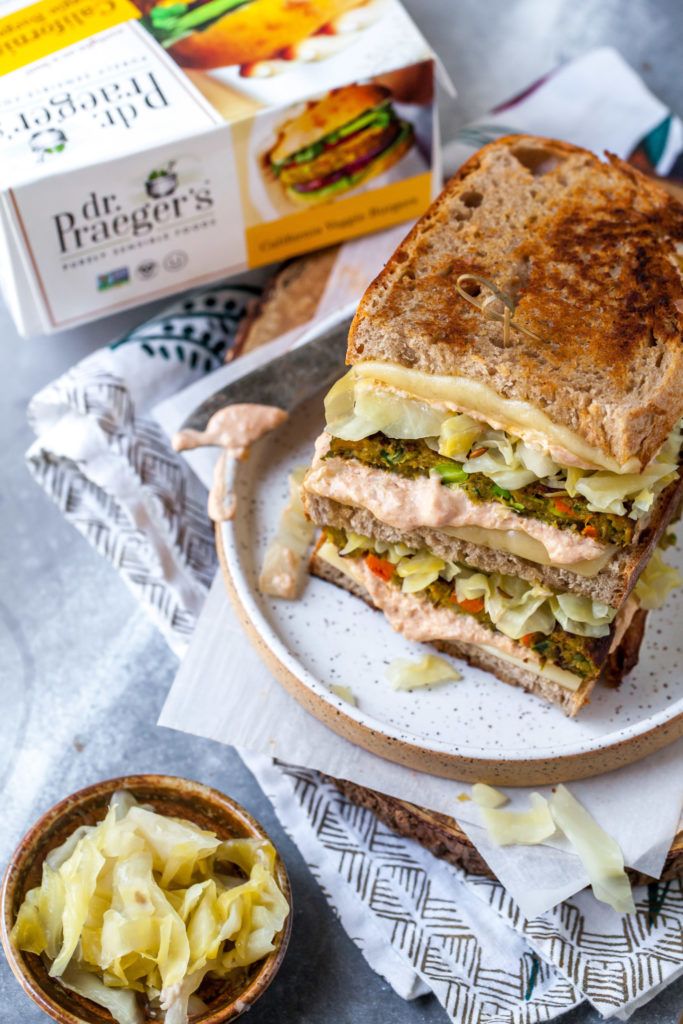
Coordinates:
476	728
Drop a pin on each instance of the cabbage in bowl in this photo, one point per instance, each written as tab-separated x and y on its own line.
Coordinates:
137	910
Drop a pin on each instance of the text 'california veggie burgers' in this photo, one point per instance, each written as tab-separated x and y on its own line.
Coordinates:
352	134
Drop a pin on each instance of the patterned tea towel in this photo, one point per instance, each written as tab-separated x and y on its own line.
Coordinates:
110	468
105	461
462	935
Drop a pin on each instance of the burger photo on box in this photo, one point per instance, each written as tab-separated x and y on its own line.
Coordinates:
205	34
337	143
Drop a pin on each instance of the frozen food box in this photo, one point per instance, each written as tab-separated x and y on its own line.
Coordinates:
151	146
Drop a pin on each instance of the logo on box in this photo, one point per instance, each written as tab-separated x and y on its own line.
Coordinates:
112	279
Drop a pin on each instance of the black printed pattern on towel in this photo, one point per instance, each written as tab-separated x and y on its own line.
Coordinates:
595	953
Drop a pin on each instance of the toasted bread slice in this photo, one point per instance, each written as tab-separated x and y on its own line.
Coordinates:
587	251
612	585
620	661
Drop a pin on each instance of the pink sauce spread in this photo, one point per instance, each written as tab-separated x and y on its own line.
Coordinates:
221	505
234	428
418	620
425	501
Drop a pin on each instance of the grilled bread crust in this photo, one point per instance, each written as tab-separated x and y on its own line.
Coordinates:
588	252
621	661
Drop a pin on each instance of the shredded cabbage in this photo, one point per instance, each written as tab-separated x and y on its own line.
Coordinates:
537	462
607	492
486	796
526	828
122	1005
340	414
431	670
581	615
515	606
79	879
517	610
457	435
656	582
144	906
599	852
392	415
358	407
355	411
418	571
354	541
499	461
344	693
392	552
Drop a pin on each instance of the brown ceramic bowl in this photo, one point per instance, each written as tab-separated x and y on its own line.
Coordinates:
179	798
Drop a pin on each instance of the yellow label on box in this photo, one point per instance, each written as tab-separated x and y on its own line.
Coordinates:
41	29
333	222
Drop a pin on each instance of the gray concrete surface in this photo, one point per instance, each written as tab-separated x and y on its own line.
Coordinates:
83	674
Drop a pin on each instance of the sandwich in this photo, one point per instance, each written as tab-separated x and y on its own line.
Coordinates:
220	33
501	464
337	143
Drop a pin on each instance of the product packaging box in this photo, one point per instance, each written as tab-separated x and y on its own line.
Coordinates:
152	146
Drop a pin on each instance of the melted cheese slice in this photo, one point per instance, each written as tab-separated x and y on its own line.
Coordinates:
520	544
551	672
518	418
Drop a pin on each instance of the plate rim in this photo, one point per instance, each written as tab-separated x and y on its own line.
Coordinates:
629	744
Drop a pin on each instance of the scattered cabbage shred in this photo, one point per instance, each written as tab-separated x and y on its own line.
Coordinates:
358	407
525	828
599	852
404	674
141	907
487	796
656	582
344	693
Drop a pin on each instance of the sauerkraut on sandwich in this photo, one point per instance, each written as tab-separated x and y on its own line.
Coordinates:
502	459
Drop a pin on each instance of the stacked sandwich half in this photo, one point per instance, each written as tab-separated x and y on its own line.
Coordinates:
501	464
